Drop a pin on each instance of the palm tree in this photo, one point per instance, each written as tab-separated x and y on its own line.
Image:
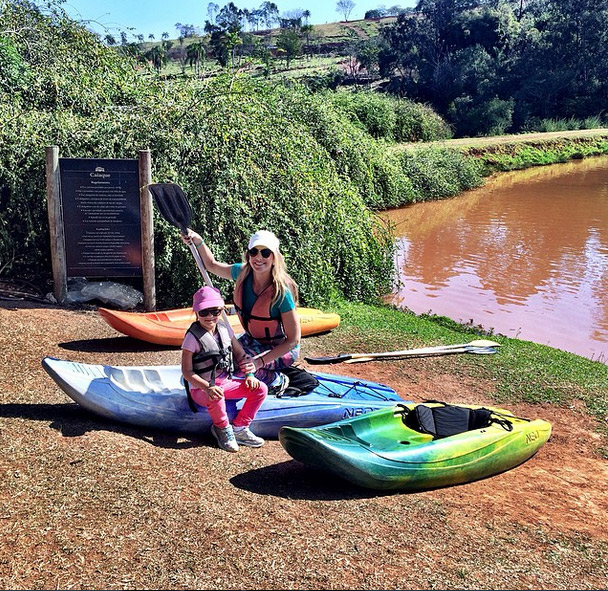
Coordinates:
195	54
158	56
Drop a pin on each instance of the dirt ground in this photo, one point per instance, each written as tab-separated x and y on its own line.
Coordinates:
85	503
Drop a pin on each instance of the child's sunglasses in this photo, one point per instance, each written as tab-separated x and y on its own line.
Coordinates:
265	252
209	312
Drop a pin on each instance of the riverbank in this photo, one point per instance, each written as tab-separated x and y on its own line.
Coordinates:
512	152
92	504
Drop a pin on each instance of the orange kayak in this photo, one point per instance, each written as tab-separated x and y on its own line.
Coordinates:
169	327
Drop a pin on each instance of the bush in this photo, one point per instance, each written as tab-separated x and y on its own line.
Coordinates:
481	118
440	172
390	118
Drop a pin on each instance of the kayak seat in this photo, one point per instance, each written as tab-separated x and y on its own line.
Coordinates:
447	420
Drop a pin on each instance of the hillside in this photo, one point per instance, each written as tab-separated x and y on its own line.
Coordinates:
327	44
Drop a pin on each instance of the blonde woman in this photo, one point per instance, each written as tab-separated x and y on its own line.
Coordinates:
265	298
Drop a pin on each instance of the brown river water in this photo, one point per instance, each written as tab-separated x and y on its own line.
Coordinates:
526	256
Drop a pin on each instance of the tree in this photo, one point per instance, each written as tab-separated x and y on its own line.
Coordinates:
230	18
212	11
226	33
270	13
345	7
231	40
159	55
307	30
289	42
367	53
184	31
375	13
195	55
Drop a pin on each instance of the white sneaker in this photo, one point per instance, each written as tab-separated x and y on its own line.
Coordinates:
225	438
246	437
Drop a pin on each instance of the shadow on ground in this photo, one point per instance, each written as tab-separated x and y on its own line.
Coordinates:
293	480
73	421
114	345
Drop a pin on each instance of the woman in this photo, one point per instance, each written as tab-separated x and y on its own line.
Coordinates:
265	298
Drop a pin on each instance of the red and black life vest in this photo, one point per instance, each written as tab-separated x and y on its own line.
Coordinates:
258	322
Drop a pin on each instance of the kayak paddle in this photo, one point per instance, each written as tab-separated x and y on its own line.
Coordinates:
174	206
480	347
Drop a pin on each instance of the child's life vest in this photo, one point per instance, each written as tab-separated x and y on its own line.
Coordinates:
213	358
258	322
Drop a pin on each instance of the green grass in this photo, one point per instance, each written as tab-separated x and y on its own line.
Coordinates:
524	155
521	371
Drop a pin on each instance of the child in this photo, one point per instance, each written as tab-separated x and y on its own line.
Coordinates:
207	365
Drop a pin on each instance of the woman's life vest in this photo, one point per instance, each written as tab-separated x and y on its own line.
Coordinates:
212	357
258	322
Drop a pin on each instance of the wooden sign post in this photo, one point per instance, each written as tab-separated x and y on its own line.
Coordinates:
101	220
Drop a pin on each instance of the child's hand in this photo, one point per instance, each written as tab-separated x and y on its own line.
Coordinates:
252	382
215	392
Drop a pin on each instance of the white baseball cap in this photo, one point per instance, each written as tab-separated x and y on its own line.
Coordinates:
264	238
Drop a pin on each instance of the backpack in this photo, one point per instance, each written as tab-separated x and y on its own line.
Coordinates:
446	420
300	381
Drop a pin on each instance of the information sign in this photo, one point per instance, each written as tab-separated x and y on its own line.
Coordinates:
101	215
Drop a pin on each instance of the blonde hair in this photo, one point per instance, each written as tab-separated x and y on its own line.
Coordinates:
280	277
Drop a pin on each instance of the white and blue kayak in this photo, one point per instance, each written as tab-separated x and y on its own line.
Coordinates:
154	397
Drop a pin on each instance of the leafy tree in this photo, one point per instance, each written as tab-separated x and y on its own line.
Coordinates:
230	41
184	31
225	33
345	7
230	18
289	41
212	11
270	13
367	53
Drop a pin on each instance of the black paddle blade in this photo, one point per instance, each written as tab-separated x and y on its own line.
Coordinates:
172	204
327	360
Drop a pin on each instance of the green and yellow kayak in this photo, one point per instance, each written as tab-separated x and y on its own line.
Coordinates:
391	449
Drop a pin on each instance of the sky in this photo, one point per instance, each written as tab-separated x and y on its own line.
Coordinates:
160	16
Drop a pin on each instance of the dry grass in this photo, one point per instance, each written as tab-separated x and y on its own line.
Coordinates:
90	504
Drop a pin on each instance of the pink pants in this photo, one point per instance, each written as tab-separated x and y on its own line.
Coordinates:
233	388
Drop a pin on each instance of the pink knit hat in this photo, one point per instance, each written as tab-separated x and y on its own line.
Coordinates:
207	297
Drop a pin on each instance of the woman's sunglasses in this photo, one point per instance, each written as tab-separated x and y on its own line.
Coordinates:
209	312
265	252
